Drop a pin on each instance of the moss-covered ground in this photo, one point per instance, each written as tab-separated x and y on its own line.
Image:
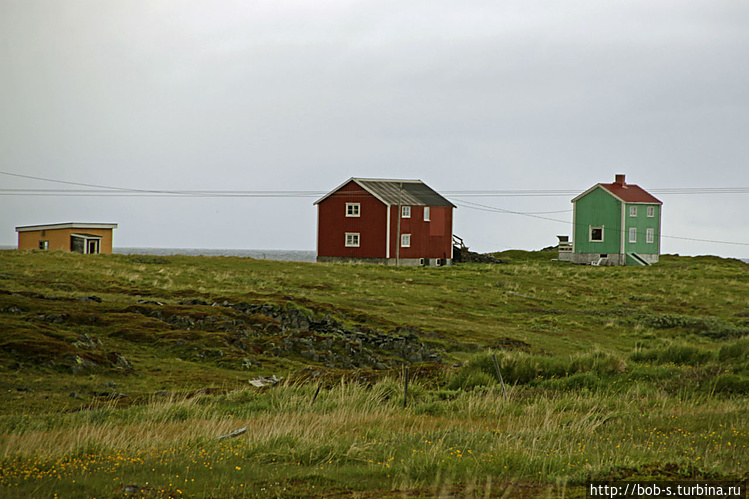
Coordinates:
118	374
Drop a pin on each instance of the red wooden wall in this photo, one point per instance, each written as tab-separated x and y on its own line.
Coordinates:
332	224
432	239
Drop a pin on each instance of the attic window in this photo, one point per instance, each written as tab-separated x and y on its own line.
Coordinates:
633	211
405	212
596	234
651	211
352	209
427	214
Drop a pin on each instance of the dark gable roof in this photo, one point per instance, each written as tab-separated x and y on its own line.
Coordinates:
393	191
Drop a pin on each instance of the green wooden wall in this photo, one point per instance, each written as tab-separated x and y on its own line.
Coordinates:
641	222
598	208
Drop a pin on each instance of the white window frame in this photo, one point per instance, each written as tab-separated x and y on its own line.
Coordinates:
405	212
649	235
633	234
405	240
651	211
590	234
427	214
44	245
633	211
353	209
352	240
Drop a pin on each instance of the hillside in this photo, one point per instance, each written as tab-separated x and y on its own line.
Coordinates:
162	349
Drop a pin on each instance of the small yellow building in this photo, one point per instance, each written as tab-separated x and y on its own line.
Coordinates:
92	238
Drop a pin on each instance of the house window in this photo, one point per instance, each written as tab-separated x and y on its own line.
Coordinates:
632	235
633	211
427	214
405	212
43	245
651	211
596	234
352	209
649	235
405	240
352	239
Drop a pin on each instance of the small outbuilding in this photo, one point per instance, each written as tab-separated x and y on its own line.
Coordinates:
389	221
616	224
87	238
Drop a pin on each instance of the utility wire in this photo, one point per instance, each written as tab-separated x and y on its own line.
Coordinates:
482	207
103	190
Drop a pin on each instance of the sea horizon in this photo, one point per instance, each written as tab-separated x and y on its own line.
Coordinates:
258	254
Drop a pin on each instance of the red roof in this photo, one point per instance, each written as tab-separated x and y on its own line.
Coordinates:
630	193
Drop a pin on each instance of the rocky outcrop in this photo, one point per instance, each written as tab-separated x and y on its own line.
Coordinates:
328	342
464	255
263	329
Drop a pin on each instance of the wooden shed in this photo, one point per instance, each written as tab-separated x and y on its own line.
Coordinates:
616	224
387	221
87	238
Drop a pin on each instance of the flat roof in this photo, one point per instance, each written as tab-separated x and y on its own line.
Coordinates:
68	225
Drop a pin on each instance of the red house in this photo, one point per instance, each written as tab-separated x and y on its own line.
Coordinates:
395	222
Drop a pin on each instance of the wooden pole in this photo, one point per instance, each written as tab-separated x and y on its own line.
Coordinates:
499	374
405	386
319	385
398	241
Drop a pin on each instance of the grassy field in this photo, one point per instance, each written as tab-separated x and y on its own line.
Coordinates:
119	373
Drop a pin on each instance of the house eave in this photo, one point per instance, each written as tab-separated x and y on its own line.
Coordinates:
68	225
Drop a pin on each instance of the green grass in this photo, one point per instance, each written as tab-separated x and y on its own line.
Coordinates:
610	373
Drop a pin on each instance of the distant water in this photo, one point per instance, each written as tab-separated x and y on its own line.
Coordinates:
284	255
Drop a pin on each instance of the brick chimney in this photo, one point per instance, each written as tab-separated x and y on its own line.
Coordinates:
620	179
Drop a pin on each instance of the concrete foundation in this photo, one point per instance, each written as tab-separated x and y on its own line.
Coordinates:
406	262
610	259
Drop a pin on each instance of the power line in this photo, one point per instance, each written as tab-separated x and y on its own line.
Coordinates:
481	207
183	194
105	190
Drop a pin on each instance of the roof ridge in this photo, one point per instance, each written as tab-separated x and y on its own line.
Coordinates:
364	179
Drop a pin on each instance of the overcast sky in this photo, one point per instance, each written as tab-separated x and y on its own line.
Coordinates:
299	96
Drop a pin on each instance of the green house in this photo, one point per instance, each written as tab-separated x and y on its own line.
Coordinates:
616	224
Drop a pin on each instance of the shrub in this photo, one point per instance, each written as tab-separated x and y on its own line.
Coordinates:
575	382
736	350
476	379
599	362
519	368
674	353
523	368
705	326
732	383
